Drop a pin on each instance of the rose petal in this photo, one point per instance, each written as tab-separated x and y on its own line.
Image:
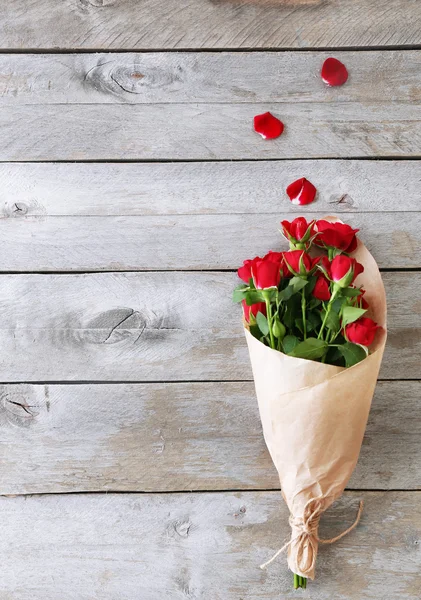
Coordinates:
268	126
334	72
301	191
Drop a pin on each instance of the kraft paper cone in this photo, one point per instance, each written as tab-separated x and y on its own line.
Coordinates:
314	418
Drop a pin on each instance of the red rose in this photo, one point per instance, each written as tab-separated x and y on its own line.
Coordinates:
344	269
253	310
265	273
278	257
298	232
298	262
321	290
336	235
244	272
324	266
361	331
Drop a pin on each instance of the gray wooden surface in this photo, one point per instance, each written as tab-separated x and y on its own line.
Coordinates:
156	24
388	77
134	382
157	326
207	131
194	546
208	188
160	437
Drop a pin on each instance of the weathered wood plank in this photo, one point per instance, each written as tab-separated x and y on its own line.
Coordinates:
183	545
169	326
151	24
181	242
207	131
146	189
191	436
375	76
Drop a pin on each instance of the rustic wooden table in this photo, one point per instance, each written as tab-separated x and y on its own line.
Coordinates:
132	459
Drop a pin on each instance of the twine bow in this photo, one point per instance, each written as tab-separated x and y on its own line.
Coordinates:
304	541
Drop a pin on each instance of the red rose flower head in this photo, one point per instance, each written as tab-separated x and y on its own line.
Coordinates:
298	233
321	290
298	262
265	273
268	126
301	191
250	312
344	270
278	257
336	235
244	272
334	72
361	331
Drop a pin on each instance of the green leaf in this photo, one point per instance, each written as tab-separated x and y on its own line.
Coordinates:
311	282
313	320
310	349
313	303
297	284
352	353
351	314
240	292
337	304
253	297
350	292
289	342
333	322
286	293
299	324
262	322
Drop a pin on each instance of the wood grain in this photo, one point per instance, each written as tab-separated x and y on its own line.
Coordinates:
174	437
207	131
155	327
102	24
183	545
224	77
245	187
181	242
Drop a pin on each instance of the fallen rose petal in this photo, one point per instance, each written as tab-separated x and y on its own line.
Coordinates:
268	126
334	72
301	191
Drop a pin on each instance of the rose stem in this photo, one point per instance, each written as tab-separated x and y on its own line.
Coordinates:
296	584
269	317
303	312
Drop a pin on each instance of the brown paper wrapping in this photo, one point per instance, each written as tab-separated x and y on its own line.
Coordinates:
314	418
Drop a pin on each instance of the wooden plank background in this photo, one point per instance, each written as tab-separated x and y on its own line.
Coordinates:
123	366
165	24
193	545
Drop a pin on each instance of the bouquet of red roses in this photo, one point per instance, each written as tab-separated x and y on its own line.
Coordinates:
315	323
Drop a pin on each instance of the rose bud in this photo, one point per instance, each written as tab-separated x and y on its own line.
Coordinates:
250	312
265	273
321	290
298	262
361	331
344	269
298	233
244	272
336	235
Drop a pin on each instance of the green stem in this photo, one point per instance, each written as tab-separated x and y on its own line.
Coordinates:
303	313
269	318
329	306
299	582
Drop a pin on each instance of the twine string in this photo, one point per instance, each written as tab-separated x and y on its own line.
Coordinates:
305	535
